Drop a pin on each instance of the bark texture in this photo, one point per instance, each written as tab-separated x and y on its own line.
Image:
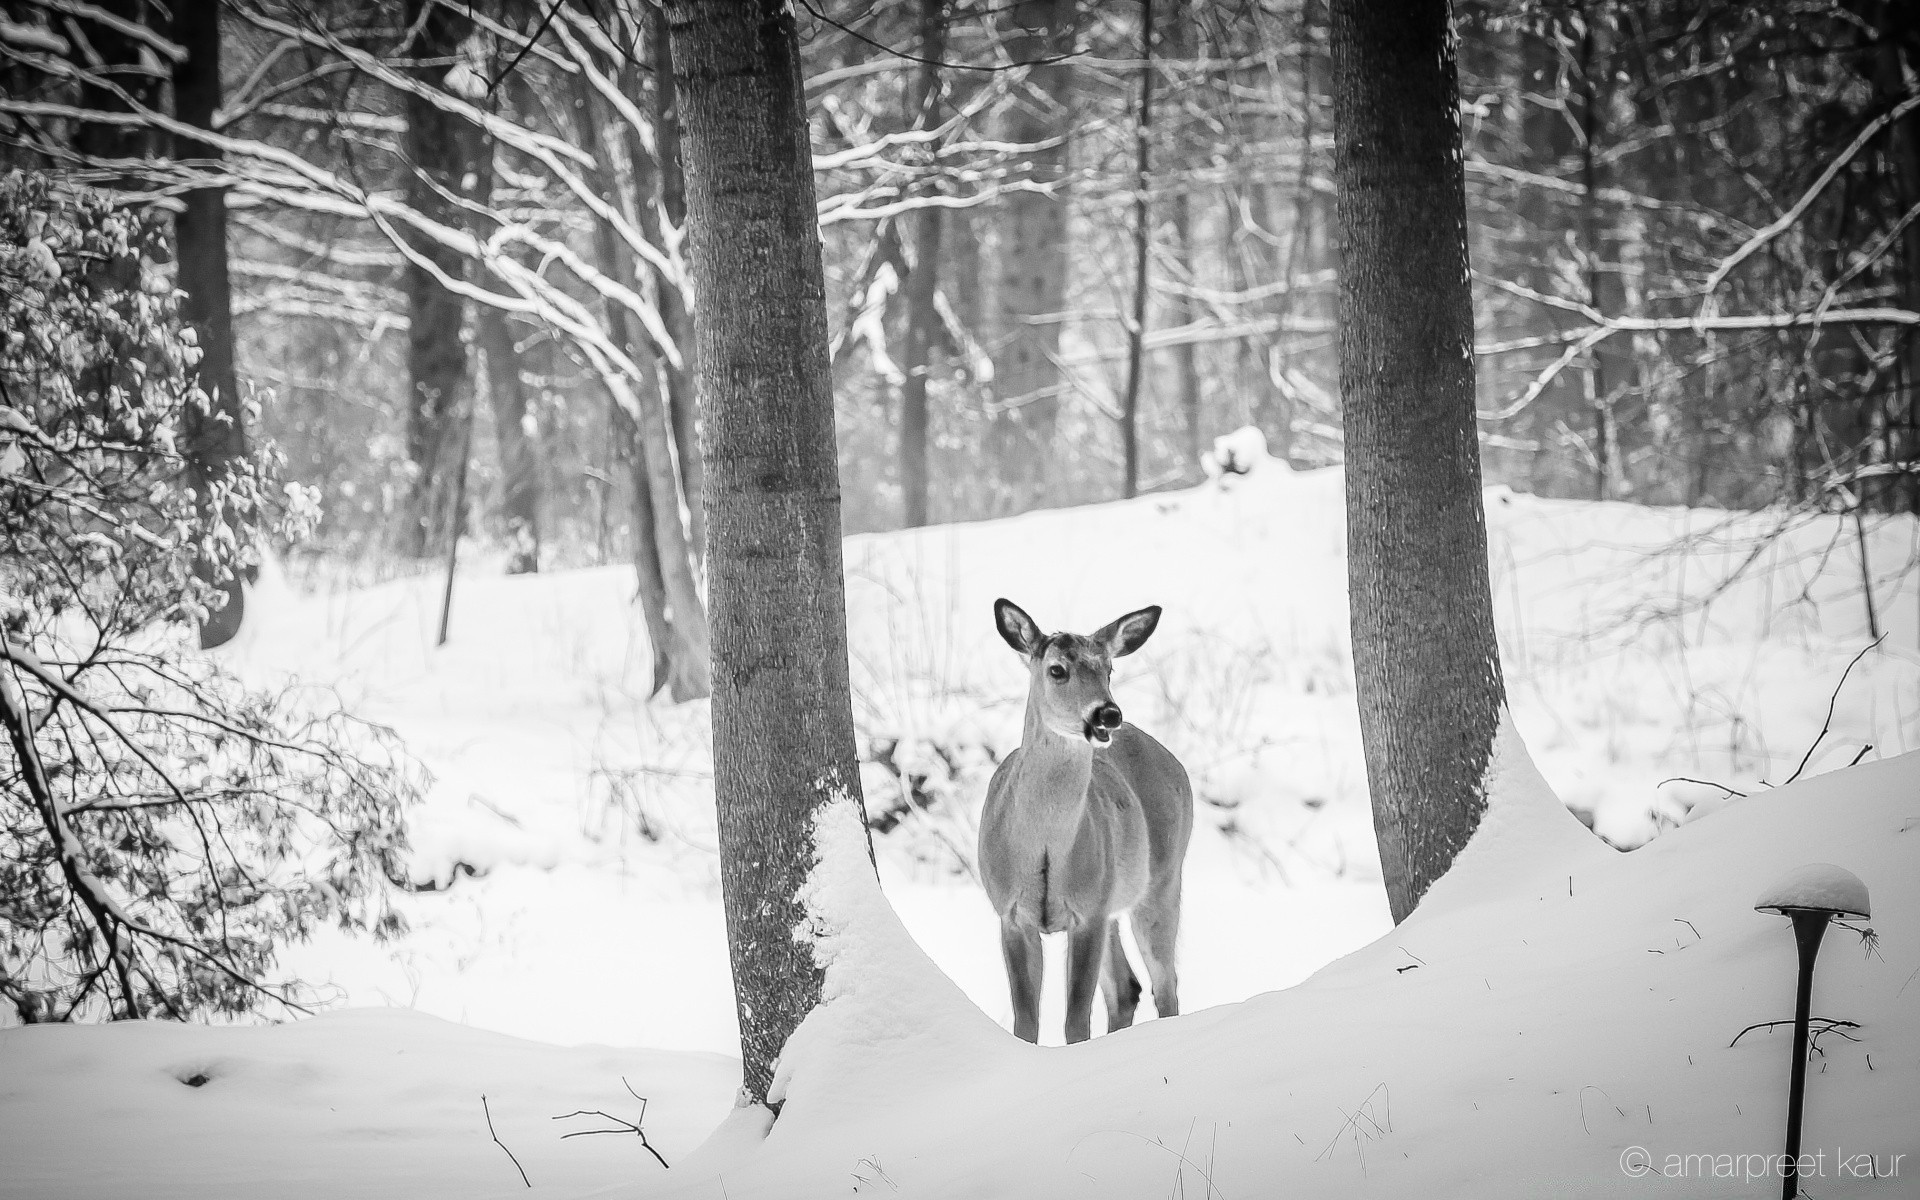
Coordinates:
439	149
1426	663
219	436
782	715
1031	276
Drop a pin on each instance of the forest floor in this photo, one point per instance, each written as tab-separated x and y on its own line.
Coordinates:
1521	1033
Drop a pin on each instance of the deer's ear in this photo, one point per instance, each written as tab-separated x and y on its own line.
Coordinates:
1016	626
1130	632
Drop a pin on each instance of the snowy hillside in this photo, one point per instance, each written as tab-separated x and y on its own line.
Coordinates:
1528	1029
583	811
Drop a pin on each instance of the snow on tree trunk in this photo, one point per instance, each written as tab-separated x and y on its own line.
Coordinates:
1426	663
218	436
782	713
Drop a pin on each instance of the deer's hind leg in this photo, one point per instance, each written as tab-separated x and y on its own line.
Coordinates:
1156	928
1121	988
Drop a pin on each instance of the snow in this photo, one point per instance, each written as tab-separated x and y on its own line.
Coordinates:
1819	887
1553	1003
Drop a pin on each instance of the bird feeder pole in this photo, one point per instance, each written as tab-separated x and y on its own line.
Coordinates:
1811	897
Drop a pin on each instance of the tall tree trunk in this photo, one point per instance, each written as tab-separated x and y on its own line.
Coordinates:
1032	258
217	437
1426	664
662	561
439	150
518	450
519	457
1182	43
922	281
670	216
1142	246
120	62
782	711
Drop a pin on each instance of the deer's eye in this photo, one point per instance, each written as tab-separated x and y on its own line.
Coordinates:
1056	672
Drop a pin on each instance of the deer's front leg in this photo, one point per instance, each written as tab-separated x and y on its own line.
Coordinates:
1086	957
1020	946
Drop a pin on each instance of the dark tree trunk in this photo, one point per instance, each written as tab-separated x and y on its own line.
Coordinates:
1182	43
217	437
440	150
1032	256
922	282
519	457
120	62
1426	664
782	712
518	450
1142	245
670	214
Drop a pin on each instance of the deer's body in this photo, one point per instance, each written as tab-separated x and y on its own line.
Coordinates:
1086	822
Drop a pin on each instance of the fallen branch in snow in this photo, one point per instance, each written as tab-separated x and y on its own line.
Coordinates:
1827	1025
501	1144
633	1127
1833	700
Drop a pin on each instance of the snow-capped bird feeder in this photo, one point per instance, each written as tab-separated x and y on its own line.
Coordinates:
1811	897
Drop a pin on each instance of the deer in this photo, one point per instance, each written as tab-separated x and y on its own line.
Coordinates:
1086	822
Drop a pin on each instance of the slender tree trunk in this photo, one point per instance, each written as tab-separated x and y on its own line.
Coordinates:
922	282
519	457
662	561
217	437
670	216
782	712
439	150
1142	245
518	449
1426	664
1182	43
1032	257
119	57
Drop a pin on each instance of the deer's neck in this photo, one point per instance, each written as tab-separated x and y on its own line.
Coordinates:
1055	770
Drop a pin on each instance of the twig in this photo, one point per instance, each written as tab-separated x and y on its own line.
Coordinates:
501	1144
1833	700
1702	782
626	1126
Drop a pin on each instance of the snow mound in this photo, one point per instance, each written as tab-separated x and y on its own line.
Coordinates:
1817	887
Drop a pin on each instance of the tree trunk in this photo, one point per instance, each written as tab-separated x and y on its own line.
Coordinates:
782	712
662	562
670	214
519	457
1426	663
1031	263
119	57
922	282
439	151
1142	244
1182	43
217	437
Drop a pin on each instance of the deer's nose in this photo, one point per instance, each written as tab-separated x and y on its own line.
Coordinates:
1107	716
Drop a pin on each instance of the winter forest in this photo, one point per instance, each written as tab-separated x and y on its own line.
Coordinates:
1162	598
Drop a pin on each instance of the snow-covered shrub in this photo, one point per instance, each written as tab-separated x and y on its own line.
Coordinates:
163	829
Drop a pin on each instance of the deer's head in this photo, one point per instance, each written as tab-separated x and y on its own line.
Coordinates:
1071	673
